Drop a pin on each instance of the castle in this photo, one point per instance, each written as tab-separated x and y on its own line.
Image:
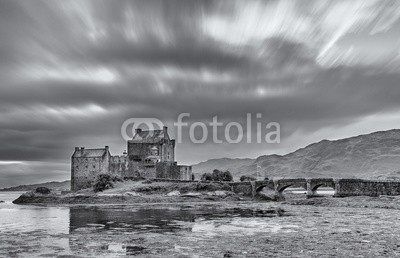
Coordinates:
151	154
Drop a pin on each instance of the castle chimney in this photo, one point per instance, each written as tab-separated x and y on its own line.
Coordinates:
107	148
138	130
165	129
76	148
82	148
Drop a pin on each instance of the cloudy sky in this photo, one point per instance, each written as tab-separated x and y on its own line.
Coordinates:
71	72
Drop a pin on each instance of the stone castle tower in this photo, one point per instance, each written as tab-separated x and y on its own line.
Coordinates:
151	154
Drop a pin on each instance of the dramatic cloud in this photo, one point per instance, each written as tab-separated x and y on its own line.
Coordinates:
71	72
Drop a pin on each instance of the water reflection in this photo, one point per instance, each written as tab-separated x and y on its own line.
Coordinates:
88	231
127	226
124	218
154	219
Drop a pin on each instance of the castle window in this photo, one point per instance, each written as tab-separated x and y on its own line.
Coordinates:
94	166
154	151
136	158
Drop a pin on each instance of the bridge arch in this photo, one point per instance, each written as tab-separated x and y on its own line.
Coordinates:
282	184
315	183
283	188
315	188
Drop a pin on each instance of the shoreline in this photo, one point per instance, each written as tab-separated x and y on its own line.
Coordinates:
380	202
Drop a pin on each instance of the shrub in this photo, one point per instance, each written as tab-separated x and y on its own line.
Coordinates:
247	178
206	177
42	190
227	176
105	181
217	176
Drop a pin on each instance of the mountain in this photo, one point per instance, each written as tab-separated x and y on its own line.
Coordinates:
233	165
59	186
375	155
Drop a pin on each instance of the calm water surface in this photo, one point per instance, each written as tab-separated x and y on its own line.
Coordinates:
27	230
196	230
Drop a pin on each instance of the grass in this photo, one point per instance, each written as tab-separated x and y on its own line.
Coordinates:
151	187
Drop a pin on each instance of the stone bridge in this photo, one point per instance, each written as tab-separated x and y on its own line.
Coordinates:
342	187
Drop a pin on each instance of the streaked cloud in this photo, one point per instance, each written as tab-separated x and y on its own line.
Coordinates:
72	71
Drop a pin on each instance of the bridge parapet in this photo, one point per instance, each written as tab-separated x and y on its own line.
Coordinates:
342	187
242	187
282	184
353	187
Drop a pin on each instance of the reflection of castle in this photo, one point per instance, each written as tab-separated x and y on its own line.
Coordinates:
99	231
151	154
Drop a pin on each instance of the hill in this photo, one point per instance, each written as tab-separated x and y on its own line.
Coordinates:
375	155
233	165
60	186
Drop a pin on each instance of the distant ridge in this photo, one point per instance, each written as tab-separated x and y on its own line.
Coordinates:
60	186
233	165
374	155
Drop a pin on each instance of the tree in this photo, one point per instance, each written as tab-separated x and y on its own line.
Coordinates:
104	182
206	177
227	176
219	175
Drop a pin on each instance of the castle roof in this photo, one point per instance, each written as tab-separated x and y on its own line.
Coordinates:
89	153
152	136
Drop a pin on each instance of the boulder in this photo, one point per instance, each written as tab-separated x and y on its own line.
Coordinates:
174	193
191	194
135	194
221	193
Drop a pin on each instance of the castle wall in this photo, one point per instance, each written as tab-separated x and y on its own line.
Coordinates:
85	170
140	150
118	165
185	172
166	170
168	152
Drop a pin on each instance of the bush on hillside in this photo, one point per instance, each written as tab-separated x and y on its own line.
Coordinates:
217	175
206	177
104	182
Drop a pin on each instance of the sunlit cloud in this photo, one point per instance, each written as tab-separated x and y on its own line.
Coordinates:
84	111
100	75
12	162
